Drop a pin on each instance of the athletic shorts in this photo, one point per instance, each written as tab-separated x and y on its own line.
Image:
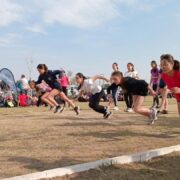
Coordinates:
143	92
155	87
57	86
162	84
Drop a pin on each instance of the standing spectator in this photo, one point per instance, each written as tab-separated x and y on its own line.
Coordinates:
114	92
155	76
128	96
24	84
32	93
65	82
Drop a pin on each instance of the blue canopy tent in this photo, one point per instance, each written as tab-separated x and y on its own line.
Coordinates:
7	86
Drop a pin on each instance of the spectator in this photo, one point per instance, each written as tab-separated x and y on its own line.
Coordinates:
24	84
32	93
65	82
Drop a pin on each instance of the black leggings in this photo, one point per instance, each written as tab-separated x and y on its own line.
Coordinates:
128	99
65	90
94	103
156	98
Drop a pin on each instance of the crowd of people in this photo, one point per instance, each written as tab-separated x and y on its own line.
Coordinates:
51	89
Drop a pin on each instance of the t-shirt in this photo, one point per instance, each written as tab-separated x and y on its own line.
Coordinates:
64	81
155	76
90	87
133	74
50	78
31	92
23	100
135	87
24	83
172	81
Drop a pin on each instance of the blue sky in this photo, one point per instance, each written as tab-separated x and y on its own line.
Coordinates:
87	35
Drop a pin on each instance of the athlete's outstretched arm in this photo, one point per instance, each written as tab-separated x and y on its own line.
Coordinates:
100	78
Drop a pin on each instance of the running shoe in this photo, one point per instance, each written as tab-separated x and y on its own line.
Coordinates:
52	108
153	116
129	110
116	108
58	109
107	114
77	110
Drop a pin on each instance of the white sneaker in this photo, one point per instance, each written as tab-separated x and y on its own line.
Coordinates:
129	110
153	116
116	108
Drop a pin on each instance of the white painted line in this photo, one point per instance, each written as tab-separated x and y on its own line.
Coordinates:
139	157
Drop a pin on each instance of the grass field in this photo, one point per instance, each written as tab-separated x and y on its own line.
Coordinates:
34	139
163	168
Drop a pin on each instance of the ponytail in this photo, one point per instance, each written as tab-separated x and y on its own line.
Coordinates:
176	65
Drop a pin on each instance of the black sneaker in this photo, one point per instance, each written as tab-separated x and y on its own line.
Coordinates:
58	109
62	109
51	108
77	110
165	112
107	114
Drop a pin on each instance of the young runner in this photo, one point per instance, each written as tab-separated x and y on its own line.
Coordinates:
171	75
50	78
139	89
128	96
95	92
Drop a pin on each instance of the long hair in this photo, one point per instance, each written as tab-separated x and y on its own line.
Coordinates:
176	65
131	64
117	73
43	67
117	65
81	75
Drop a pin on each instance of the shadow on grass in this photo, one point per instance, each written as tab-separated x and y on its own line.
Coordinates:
38	165
119	135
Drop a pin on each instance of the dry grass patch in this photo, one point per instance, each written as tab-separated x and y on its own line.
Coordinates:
163	168
33	139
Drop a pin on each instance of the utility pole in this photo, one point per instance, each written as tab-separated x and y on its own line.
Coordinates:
29	63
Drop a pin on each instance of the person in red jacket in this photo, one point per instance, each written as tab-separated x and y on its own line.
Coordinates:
171	75
23	99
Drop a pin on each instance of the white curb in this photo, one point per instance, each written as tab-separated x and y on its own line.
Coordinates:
139	157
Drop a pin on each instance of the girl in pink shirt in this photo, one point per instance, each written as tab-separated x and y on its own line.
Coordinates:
171	75
65	82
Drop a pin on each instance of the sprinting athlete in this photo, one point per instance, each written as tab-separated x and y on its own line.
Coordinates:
139	89
96	93
50	78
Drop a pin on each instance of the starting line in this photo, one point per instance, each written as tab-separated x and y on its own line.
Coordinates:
138	157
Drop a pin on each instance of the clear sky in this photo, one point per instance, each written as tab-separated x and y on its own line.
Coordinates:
87	35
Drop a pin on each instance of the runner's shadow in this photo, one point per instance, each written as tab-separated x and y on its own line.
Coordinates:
40	165
119	135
